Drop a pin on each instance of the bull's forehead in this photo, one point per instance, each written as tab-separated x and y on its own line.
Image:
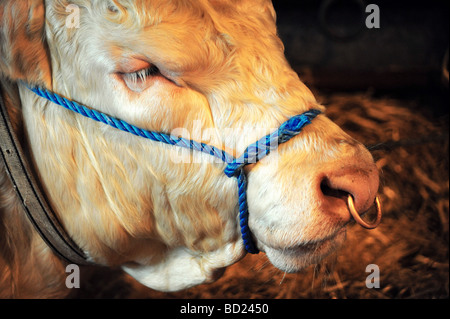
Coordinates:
155	11
204	42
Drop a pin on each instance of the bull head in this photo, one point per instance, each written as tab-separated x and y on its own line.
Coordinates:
210	70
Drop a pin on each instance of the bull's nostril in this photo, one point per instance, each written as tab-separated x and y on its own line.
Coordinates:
334	201
329	191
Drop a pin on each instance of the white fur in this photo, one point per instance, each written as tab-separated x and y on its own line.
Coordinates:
182	268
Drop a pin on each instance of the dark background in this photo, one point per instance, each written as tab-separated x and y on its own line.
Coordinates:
328	43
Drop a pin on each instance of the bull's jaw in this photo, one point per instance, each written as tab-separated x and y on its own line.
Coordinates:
183	268
294	259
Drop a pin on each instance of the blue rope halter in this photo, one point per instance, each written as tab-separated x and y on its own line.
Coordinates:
235	166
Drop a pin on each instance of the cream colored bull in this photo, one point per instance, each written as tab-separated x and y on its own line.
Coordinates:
165	65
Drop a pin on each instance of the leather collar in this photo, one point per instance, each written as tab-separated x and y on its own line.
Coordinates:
31	196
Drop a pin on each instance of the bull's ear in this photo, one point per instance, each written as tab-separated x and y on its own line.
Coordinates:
23	49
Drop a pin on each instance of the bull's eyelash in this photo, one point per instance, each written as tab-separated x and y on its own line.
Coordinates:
142	75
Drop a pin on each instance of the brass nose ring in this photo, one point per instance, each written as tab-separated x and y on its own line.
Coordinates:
357	217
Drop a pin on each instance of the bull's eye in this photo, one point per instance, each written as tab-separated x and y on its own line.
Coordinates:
140	80
112	8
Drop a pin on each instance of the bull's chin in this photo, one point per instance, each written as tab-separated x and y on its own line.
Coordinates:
295	259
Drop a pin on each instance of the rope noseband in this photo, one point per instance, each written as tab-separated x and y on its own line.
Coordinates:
235	166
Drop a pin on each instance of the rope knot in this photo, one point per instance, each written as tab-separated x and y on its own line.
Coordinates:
233	169
251	155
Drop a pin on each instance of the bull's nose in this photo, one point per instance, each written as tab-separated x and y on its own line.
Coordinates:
360	180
